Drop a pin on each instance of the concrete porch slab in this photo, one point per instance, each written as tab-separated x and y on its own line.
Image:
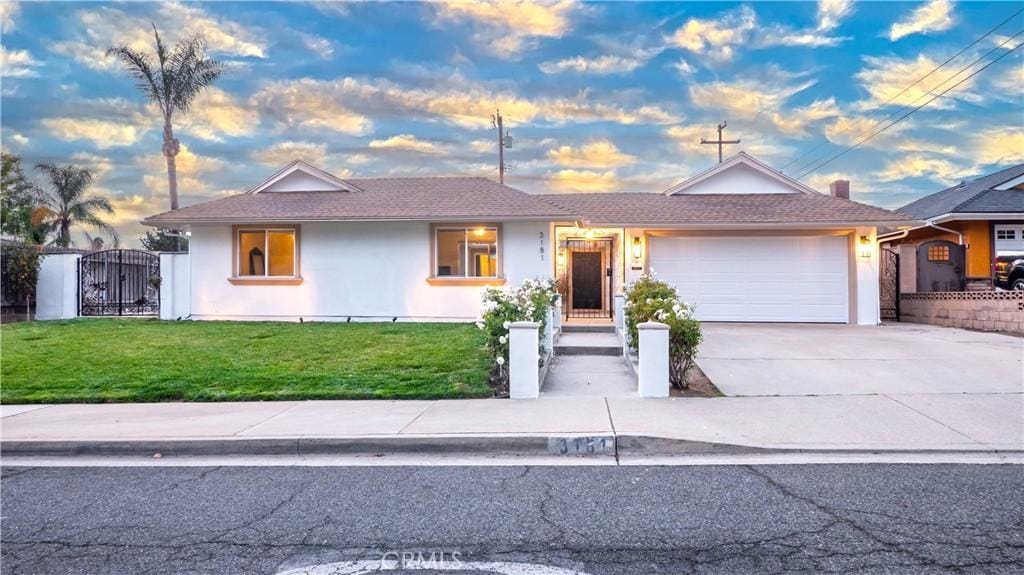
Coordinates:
594	376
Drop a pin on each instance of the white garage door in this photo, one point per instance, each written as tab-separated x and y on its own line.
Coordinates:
757	279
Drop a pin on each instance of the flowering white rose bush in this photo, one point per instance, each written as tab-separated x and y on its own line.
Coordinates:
649	299
502	307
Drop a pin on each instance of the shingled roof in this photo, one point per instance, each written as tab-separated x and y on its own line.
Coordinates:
977	196
640	209
435	198
480	199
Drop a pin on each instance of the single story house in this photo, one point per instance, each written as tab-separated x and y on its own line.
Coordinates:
965	227
741	241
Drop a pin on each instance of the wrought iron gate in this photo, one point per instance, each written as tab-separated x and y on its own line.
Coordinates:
119	282
588	279
889	284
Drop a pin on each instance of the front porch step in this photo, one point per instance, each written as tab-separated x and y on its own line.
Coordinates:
588	343
587	328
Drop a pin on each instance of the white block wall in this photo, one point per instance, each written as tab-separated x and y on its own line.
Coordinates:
174	286
57	290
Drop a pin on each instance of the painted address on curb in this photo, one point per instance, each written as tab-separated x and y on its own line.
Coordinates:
585	445
369	567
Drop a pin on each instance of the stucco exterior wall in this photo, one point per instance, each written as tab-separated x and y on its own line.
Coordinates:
988	311
977	236
363	270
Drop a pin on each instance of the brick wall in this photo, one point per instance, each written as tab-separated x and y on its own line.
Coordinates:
988	311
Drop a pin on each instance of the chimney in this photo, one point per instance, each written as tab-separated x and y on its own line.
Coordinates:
840	189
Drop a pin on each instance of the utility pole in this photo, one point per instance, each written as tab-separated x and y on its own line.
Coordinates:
504	141
719	142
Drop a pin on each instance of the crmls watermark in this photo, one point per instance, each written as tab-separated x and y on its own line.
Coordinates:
439	560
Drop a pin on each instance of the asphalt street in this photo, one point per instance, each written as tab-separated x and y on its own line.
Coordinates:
852	518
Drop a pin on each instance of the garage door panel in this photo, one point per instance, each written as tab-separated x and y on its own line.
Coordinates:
766	279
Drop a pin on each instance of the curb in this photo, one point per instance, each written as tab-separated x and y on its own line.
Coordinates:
560	446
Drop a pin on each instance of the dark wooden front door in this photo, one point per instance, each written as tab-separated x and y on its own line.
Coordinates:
586	280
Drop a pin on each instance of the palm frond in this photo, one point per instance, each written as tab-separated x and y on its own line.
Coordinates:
140	67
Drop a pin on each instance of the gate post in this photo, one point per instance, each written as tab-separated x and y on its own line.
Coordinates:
524	360
57	288
653	376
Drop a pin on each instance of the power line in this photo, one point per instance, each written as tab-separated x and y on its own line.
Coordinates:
930	100
901	92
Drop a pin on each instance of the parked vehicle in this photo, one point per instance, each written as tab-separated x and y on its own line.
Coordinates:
1010	272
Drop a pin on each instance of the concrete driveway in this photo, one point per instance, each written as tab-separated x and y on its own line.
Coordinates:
812	359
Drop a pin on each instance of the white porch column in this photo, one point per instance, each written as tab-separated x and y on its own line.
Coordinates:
523	360
620	312
556	314
57	289
868	303
175	295
549	331
653	371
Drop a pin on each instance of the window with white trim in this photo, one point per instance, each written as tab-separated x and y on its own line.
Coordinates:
466	252
1006	234
266	253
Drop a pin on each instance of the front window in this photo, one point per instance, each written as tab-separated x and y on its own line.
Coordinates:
268	252
466	252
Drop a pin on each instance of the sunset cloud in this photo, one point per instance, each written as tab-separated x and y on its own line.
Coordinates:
596	154
935	16
282	153
716	38
17	63
920	166
102	133
508	27
407	143
584	181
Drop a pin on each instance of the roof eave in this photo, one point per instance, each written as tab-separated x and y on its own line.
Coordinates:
466	218
754	225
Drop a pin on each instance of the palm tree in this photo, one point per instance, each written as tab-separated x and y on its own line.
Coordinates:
64	204
180	75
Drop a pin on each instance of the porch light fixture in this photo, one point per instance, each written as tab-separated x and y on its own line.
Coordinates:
866	249
638	250
479	232
589	234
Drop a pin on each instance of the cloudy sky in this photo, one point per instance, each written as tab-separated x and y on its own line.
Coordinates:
609	96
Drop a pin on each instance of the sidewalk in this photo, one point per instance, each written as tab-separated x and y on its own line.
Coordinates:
919	422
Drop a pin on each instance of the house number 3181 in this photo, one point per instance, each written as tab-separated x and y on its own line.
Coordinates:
541	237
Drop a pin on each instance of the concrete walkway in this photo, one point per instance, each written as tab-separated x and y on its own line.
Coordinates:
974	422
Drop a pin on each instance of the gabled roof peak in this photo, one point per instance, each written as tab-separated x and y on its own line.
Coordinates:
326	181
744	159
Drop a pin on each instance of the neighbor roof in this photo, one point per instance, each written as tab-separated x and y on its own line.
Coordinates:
642	209
977	196
433	198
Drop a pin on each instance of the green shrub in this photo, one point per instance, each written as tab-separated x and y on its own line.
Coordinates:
649	299
503	307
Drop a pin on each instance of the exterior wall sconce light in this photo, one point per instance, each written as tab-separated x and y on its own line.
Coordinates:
638	249
866	249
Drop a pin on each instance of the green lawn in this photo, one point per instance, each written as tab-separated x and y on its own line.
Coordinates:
100	360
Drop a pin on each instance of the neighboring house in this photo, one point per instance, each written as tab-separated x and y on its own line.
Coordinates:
965	228
741	241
